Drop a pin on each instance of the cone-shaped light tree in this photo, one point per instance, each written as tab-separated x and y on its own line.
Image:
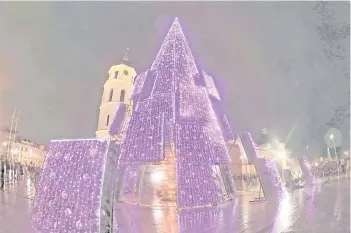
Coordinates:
177	117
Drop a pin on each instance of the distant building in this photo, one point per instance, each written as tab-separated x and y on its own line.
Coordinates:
21	150
117	90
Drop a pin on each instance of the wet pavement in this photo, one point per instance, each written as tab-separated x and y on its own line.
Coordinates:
324	208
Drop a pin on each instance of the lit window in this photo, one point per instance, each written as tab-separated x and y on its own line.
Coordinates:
107	120
110	96
121	97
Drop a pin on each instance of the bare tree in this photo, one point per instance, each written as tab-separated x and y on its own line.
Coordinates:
334	33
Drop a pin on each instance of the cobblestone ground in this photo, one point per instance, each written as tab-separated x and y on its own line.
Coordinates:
324	208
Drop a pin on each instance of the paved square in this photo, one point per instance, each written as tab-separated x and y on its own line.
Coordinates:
324	208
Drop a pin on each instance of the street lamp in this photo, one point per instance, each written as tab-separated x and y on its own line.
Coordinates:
157	176
332	137
2	155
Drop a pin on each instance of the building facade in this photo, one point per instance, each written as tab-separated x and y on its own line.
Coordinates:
117	90
21	150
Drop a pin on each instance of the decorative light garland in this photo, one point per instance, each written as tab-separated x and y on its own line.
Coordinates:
266	169
119	119
226	129
168	99
270	179
204	220
68	197
170	107
249	146
144	139
138	84
212	90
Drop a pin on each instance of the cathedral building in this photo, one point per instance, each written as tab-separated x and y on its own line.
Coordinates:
117	90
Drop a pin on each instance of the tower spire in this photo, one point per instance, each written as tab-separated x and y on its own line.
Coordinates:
125	59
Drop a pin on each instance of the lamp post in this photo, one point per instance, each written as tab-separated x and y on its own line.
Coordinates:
332	137
3	153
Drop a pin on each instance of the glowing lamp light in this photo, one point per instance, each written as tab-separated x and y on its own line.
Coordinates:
331	136
316	164
282	154
157	176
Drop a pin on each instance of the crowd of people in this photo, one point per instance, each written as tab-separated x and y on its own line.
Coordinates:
331	167
246	180
15	172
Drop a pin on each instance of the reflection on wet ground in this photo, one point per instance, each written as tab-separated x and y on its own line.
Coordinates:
324	208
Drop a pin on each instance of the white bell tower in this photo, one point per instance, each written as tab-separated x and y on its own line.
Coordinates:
117	90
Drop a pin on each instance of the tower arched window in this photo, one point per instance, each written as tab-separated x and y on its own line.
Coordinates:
110	97
122	96
107	120
116	74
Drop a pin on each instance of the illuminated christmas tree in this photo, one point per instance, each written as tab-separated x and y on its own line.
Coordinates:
178	128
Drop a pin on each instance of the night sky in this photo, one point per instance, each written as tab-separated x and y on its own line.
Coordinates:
278	64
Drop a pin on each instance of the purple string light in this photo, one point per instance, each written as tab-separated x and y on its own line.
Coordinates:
212	90
266	169
170	106
119	119
139	82
144	139
68	197
270	179
249	146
